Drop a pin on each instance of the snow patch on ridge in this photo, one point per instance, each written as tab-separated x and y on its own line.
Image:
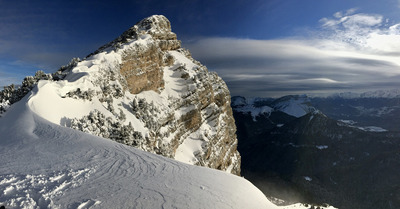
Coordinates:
351	123
255	111
372	129
187	150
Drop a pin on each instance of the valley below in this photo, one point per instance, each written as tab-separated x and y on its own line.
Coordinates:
340	151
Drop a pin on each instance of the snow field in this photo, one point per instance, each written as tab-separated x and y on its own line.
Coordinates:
56	167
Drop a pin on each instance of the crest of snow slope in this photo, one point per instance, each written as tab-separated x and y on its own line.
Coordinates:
44	165
187	118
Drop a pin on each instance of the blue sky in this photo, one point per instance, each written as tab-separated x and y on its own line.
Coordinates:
260	48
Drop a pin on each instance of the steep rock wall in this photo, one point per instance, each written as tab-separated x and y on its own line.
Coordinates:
206	96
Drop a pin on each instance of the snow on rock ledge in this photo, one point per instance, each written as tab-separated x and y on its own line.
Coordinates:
144	90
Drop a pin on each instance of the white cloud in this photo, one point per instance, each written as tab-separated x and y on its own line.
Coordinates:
322	80
279	67
351	11
367	32
348	12
355	52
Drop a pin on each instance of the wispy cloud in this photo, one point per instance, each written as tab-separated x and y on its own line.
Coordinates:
354	52
19	59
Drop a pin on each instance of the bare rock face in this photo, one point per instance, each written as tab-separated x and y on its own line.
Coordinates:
142	66
170	104
142	69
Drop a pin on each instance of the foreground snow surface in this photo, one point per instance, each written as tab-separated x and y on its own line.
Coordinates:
44	165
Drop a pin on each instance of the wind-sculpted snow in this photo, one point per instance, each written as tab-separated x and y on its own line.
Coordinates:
20	190
43	165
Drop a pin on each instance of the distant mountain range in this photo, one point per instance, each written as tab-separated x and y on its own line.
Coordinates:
392	93
340	149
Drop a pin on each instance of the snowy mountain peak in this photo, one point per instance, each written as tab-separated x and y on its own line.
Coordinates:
154	24
145	91
297	106
158	27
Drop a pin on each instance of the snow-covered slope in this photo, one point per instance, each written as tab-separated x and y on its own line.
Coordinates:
44	165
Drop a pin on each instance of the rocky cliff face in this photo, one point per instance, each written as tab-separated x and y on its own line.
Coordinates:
144	90
142	67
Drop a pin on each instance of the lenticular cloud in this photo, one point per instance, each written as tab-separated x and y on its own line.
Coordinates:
354	52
